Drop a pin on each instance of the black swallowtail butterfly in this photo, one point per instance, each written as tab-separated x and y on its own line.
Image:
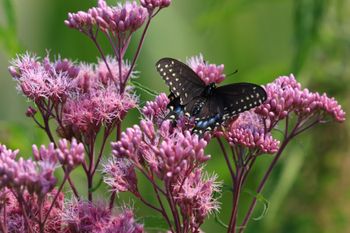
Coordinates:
210	105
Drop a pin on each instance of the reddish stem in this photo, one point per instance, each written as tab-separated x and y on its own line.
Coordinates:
55	198
136	54
267	174
174	211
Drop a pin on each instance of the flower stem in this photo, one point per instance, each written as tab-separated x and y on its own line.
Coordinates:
55	198
111	200
105	136
136	54
93	38
173	209
262	183
237	191
163	212
226	159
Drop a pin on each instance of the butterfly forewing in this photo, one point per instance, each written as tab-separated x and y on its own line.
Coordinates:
183	82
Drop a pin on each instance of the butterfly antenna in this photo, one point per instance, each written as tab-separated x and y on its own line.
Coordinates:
234	72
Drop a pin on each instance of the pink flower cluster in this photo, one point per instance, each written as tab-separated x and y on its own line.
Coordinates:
176	158
153	4
209	73
37	176
169	155
87	112
249	131
21	175
121	18
156	109
81	97
286	96
15	215
84	217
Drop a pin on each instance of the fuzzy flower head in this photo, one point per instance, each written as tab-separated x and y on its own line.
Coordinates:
248	131
84	217
195	195
285	96
15	218
120	175
87	112
92	77
170	154
42	80
209	73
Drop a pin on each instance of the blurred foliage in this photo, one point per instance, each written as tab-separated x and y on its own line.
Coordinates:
309	190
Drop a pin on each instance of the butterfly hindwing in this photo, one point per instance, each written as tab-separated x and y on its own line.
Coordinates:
228	101
239	97
210	115
183	82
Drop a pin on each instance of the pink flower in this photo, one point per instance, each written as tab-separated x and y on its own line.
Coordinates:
169	154
45	154
157	109
104	76
153	4
195	196
87	112
120	175
285	96
87	217
41	80
15	216
248	131
121	18
35	177
209	73
70	155
123	223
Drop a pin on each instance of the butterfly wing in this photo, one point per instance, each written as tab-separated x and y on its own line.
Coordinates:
210	115
228	101
183	82
239	97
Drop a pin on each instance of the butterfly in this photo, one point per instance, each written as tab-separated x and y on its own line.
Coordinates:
208	104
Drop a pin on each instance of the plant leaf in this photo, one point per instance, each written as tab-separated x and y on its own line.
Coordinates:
260	198
143	88
219	221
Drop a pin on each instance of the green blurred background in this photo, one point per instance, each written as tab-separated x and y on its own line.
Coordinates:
310	189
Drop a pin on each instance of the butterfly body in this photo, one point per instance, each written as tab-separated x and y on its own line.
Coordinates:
208	104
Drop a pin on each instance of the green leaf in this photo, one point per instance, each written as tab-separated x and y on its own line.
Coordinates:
93	189
155	222
143	88
260	198
227	188
219	221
